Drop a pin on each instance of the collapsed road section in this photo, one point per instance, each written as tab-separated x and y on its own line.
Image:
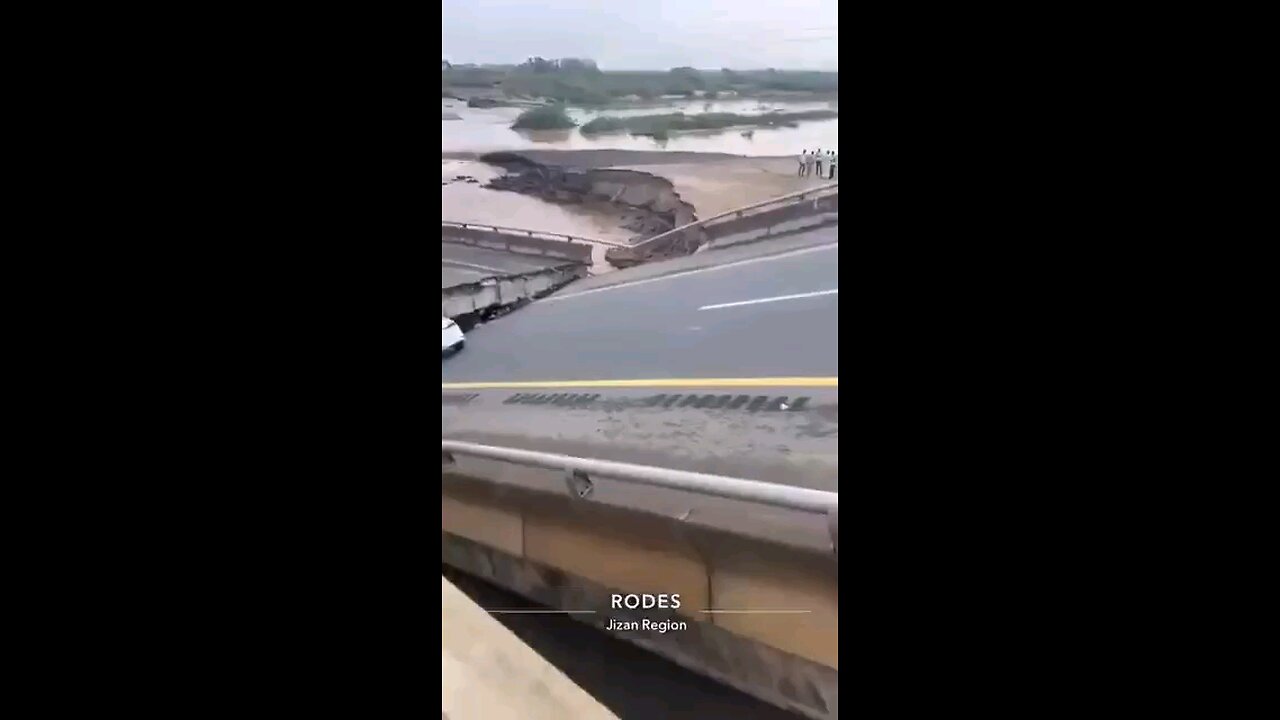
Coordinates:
650	202
486	270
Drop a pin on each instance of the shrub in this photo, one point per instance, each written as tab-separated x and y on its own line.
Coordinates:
549	117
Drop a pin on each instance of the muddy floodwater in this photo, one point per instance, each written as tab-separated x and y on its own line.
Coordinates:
488	129
711	184
462	201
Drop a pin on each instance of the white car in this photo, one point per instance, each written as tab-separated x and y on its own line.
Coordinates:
451	335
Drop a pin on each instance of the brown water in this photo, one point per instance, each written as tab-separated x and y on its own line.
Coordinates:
488	129
469	202
712	188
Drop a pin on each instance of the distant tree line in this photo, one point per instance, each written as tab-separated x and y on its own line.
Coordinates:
579	81
568	65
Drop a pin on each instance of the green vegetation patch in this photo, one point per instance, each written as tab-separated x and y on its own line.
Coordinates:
550	117
663	124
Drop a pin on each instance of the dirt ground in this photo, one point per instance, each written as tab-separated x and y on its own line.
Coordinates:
714	186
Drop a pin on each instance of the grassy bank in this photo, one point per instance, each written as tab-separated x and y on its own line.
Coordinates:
580	82
660	125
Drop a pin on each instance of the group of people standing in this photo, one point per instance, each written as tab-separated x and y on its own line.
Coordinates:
809	160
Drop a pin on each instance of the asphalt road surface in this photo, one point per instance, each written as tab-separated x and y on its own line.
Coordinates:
765	316
463	264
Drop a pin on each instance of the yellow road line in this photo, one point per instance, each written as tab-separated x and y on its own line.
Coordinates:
681	383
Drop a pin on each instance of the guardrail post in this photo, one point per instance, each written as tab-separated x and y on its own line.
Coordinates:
578	483
833	528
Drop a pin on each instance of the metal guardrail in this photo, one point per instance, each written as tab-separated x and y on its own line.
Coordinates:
740	212
578	473
534	233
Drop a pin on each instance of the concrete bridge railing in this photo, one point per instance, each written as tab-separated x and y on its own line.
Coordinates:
576	533
509	232
580	471
786	213
524	244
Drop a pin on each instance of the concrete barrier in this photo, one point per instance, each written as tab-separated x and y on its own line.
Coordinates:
526	242
775	221
772	217
510	242
506	289
576	555
572	531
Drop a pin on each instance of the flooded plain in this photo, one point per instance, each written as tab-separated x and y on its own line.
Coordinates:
489	129
712	184
461	201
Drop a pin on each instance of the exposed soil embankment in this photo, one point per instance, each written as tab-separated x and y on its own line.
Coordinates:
651	202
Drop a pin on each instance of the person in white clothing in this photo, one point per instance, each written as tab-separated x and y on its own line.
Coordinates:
804	160
831	163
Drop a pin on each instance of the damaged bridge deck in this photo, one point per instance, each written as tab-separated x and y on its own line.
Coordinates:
461	264
484	268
